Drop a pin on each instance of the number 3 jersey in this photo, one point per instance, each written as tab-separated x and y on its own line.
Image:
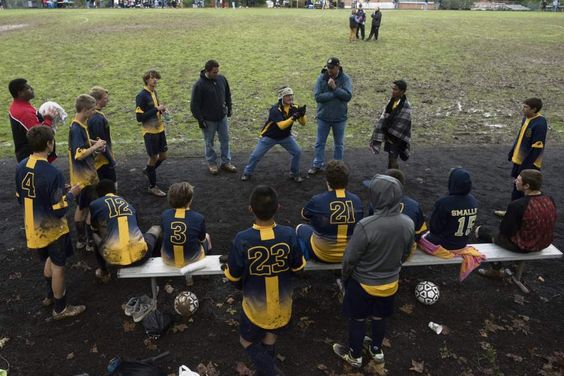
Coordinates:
454	215
263	258
184	231
333	216
116	221
39	188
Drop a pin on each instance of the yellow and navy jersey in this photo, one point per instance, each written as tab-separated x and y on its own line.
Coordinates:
333	216
82	169
40	189
146	111
98	127
184	230
279	123
529	145
263	258
116	222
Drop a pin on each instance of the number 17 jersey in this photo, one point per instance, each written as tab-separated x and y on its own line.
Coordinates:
263	258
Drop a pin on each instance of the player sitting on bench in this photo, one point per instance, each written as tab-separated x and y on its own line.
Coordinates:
528	224
184	231
332	215
119	241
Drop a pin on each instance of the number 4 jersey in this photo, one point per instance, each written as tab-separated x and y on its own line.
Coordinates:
263	258
115	220
39	188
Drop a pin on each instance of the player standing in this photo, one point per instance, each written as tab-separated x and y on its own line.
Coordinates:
99	128
261	261
148	113
82	150
39	188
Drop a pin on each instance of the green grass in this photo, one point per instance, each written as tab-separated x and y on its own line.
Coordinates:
486	61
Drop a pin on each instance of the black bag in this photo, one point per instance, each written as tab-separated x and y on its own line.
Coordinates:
156	323
137	368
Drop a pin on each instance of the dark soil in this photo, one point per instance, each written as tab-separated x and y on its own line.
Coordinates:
492	328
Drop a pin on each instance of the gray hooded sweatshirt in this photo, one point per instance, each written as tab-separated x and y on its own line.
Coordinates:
381	241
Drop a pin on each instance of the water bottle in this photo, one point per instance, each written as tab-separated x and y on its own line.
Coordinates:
167	117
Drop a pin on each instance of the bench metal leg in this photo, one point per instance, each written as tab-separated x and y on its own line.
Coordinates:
517	277
189	280
155	289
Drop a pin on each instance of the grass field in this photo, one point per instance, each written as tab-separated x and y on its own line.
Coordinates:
466	71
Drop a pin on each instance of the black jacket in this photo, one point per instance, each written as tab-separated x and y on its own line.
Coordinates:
211	99
376	19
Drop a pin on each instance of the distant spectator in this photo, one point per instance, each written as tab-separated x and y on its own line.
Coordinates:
360	20
353	25
555	5
376	21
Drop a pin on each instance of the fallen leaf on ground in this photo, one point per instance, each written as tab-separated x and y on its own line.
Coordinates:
128	326
540	278
208	370
514	357
417	366
230	300
493	327
3	341
378	369
15	275
407	308
483	333
94	349
386	343
242	369
305	322
70	356
150	344
231	311
323	368
446	330
519	299
280	357
81	265
179	328
232	322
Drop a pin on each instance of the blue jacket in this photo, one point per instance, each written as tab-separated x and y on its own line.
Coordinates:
332	105
454	215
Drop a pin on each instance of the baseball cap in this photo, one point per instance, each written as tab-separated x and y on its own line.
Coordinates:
333	61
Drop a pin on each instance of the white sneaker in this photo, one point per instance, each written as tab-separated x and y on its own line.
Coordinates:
345	354
156	191
143	308
377	356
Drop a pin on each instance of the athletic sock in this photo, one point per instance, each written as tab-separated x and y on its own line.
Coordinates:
263	362
378	332
152	175
101	262
80	231
89	237
159	161
356	337
49	287
60	304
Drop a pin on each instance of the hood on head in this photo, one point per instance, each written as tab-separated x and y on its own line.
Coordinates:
386	193
459	182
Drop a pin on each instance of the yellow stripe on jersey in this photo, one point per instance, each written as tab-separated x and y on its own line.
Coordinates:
516	158
31	162
123	235
422	229
396	102
340	193
178	255
29	223
180	213
61	204
266	232
272	296
229	276
342	233
388	289
538	145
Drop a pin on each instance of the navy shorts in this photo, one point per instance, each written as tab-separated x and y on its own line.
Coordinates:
58	251
304	233
252	333
155	143
107	172
358	304
86	196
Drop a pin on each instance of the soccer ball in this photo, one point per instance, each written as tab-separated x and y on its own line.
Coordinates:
427	292
186	303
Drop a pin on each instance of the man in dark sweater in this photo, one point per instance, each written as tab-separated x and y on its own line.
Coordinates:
376	20
529	223
211	106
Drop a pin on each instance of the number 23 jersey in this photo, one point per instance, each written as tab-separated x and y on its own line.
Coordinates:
263	258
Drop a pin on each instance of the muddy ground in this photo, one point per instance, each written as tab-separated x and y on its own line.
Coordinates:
491	327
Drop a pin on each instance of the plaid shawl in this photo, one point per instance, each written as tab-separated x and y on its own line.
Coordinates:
395	123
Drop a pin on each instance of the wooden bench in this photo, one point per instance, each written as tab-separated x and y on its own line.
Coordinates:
210	265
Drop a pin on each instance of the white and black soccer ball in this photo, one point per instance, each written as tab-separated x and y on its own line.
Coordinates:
186	303
427	292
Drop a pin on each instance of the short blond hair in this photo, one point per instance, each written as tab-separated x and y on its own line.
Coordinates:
84	102
180	195
98	92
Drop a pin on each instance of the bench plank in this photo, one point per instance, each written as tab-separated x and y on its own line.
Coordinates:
155	267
